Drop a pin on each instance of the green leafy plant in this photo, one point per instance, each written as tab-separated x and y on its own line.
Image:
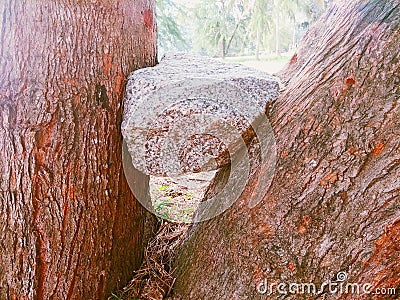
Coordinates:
159	210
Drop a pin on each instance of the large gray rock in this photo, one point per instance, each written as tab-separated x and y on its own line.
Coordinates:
192	114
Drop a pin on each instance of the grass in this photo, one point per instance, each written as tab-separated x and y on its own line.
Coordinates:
163	188
273	58
270	64
173	211
161	209
174	201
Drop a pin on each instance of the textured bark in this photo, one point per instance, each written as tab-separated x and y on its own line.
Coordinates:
70	227
334	200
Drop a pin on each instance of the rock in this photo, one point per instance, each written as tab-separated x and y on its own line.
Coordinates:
191	114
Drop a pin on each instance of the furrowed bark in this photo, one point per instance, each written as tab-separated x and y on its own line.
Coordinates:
70	227
334	201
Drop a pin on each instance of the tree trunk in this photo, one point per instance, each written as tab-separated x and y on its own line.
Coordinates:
70	226
223	48
226	51
333	205
276	27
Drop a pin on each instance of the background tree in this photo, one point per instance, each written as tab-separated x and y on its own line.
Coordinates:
334	200
252	24
171	37
219	24
260	23
70	226
286	16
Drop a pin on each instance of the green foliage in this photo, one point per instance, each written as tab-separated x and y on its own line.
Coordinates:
170	34
219	26
260	23
255	25
235	27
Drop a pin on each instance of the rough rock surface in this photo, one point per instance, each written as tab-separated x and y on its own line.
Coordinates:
191	114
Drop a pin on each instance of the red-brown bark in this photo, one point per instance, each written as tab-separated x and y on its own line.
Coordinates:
70	227
334	201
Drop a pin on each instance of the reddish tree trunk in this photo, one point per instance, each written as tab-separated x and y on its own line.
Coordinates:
334	201
70	227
